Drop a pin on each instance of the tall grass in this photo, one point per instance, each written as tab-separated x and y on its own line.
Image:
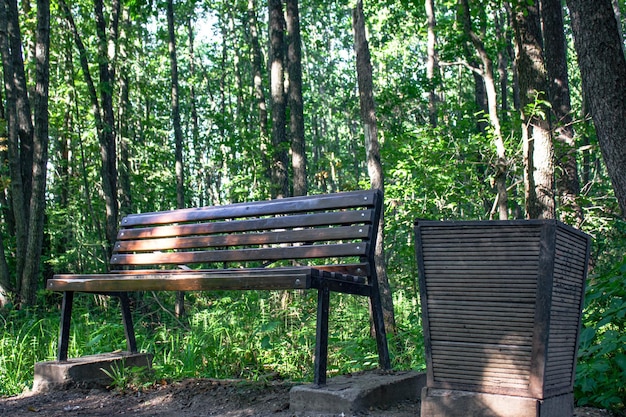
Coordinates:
250	335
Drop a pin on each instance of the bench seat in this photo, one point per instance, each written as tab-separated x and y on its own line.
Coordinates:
211	280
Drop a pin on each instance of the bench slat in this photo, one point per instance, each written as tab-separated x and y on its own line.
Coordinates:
287	236
356	269
242	255
232	280
259	208
216	227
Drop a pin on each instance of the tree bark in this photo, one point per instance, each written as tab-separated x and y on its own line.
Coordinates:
17	105
555	47
124	121
108	149
195	126
28	290
603	70
539	152
23	107
372	148
280	157
432	62
257	82
295	101
178	132
175	107
486	71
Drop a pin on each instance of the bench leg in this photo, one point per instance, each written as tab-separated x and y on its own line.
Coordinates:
129	329
379	328
321	336
64	331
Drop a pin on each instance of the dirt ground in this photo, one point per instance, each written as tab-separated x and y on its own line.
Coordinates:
193	397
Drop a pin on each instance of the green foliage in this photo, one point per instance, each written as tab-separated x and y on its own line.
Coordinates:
27	338
602	351
127	377
252	335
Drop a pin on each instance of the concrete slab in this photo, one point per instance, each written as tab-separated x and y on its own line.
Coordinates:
454	403
358	392
85	371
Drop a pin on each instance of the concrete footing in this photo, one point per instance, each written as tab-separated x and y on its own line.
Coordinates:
453	403
359	392
86	370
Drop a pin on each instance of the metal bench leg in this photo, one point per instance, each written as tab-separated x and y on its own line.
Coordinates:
379	328
64	331
321	336
129	329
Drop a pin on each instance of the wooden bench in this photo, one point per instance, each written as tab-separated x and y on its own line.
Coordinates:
323	242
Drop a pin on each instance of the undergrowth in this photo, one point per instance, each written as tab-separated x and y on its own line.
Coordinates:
252	335
271	335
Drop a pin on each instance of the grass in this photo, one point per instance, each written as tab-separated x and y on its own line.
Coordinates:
227	335
259	335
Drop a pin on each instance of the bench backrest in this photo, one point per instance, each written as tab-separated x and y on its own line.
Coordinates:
336	231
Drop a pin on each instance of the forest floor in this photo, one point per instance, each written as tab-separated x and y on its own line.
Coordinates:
192	397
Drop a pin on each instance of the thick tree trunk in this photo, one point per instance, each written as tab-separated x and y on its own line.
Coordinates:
603	71
23	107
555	47
539	155
280	144
257	82
372	148
108	149
28	290
295	101
16	99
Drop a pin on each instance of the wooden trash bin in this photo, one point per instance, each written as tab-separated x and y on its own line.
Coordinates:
501	305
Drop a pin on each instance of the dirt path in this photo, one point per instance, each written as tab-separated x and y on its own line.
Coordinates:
193	397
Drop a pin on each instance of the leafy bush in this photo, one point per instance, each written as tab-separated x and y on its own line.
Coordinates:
601	370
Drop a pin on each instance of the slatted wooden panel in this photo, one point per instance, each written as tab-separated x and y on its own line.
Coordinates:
567	294
327	228
484	299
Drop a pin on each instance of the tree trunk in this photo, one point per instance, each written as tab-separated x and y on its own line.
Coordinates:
28	290
486	71
5	277
280	145
603	70
175	106
555	47
502	65
195	126
537	139
108	152
178	132
257	82
295	102
372	148
16	100
125	132
432	62
23	108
